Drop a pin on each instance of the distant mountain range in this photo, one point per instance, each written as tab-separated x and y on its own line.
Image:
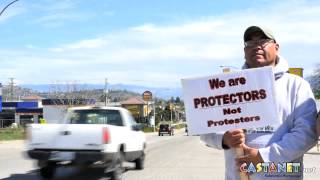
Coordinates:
162	92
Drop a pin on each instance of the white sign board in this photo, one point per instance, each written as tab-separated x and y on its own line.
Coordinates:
242	99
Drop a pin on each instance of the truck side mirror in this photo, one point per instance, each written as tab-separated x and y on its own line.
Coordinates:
136	127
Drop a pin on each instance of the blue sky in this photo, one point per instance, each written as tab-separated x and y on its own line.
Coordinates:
146	42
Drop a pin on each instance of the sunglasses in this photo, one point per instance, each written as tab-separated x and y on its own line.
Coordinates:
259	42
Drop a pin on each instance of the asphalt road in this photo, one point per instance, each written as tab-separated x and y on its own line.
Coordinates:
167	157
177	157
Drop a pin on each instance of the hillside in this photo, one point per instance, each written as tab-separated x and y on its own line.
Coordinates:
98	94
118	92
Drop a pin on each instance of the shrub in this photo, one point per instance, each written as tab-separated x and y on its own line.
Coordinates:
12	133
147	129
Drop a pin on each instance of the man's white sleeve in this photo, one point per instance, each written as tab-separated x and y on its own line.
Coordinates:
213	140
301	133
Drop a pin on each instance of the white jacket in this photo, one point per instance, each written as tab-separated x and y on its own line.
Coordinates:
289	141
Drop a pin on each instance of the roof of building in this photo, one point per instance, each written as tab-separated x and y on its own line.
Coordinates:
68	102
17	105
133	100
113	104
32	97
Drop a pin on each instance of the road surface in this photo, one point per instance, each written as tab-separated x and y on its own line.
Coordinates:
177	157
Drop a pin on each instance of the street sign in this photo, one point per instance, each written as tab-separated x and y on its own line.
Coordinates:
147	96
171	105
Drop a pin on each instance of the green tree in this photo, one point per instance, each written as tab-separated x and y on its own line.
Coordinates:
177	100
314	80
317	94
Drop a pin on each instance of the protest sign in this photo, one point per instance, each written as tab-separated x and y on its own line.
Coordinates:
242	99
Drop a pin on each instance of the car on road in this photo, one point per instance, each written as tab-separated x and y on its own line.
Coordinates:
166	129
101	136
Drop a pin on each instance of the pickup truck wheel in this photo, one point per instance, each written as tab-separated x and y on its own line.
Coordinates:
116	174
140	162
47	172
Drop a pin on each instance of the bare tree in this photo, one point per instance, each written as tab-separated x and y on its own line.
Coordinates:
70	94
315	81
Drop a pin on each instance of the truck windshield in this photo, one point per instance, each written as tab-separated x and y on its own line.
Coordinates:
95	116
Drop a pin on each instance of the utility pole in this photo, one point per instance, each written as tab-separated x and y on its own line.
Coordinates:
154	114
171	108
11	88
171	115
0	98
106	91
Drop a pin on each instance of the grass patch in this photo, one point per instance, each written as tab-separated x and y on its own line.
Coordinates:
180	126
147	129
12	134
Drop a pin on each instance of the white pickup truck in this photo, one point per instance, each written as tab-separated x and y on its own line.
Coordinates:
100	136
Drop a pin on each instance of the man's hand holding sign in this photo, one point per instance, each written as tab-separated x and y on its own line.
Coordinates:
233	139
236	139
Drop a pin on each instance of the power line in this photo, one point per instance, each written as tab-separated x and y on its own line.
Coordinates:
7	6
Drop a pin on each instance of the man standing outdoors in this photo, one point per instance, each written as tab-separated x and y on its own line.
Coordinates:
296	106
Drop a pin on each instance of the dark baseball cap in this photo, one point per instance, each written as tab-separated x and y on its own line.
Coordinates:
252	29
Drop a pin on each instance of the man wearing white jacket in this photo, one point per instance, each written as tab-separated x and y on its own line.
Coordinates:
297	110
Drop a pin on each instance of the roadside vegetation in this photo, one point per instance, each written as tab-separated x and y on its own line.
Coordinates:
314	80
12	134
18	133
148	129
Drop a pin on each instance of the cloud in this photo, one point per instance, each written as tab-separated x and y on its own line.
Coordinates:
163	54
57	19
83	44
215	38
53	14
52	6
200	40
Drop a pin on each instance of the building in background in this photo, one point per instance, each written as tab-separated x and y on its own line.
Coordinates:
138	108
33	98
34	108
54	110
20	113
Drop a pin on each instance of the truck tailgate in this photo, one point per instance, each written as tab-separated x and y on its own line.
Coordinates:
66	136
